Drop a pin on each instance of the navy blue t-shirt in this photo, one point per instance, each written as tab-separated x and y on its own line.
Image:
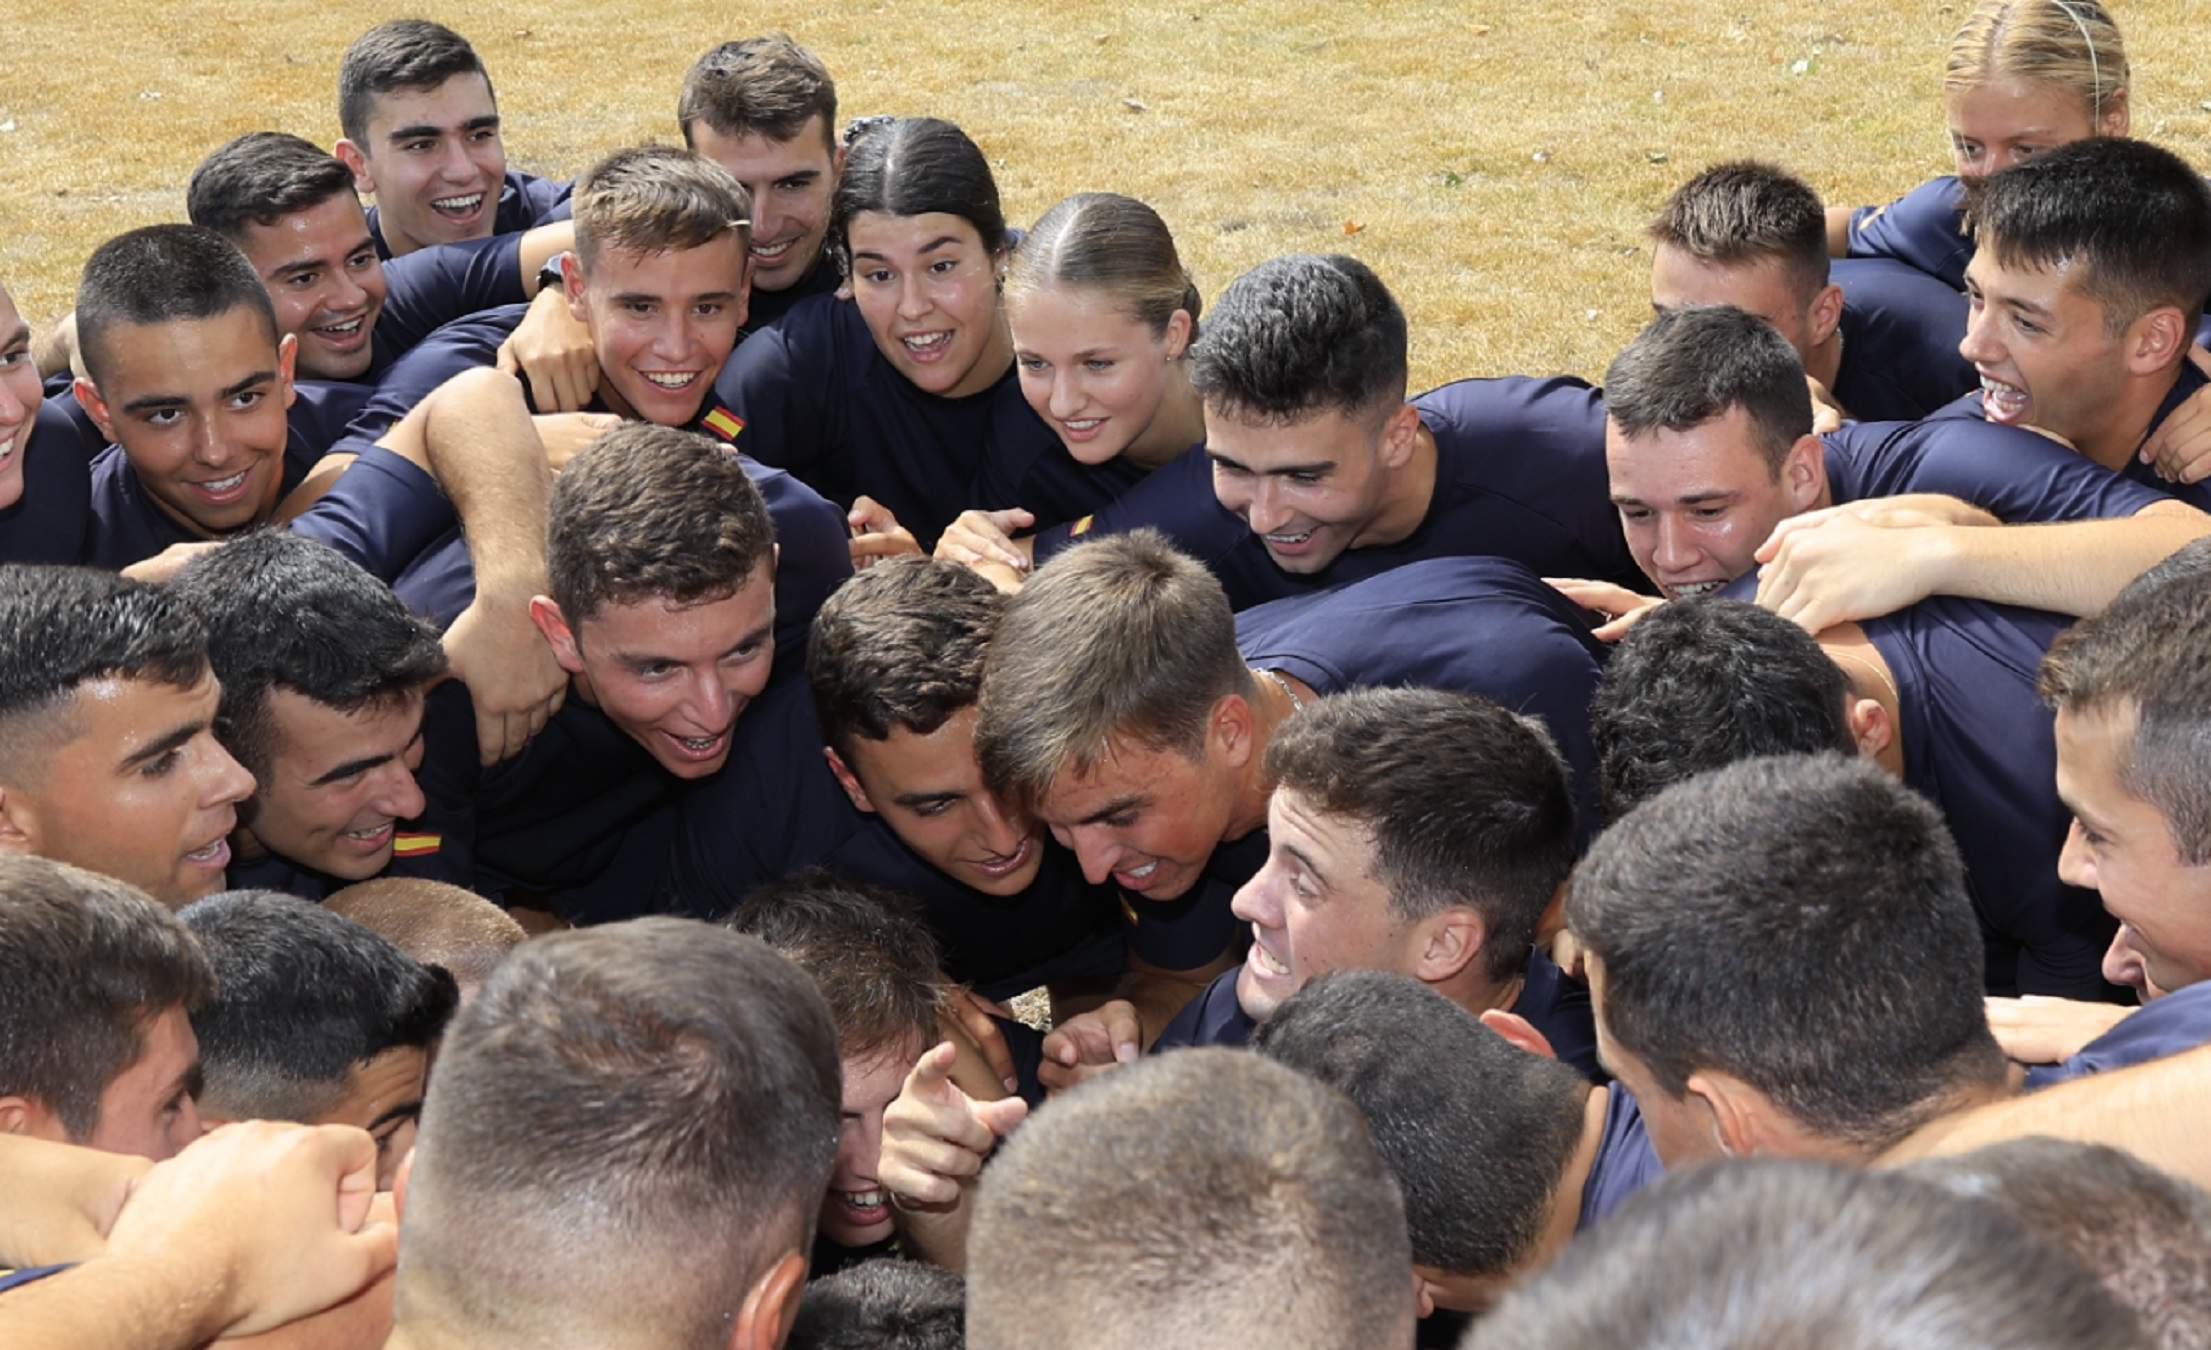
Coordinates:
383	511
47	524
2173	1024
1625	1161
777	808
1900	332
1553	1004
61	393
525	201
128	525
765	309
2185	383
2017	475
431	287
1477	625
1924	228
814	395
1520	474
419	851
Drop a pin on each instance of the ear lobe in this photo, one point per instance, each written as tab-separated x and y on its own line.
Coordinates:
847	780
1826	312
1232	728
15	1115
287	361
771	1305
1452	941
572	286
352	156
1519	1031
88	396
553	626
1424	1294
1734	1109
18	822
2161	338
1870	727
1176	340
1399	435
402	1179
1806	470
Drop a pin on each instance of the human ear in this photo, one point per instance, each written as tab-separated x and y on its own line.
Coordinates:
771	1305
1400	434
1735	1109
1804	472
1519	1031
2157	340
553	625
847	780
1870	726
88	397
1176	340
1447	944
354	158
1825	312
1232	729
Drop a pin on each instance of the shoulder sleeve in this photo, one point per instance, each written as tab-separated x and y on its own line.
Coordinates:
382	513
538	201
1176	499
322	409
2017	475
433	286
1904	327
1924	228
456	347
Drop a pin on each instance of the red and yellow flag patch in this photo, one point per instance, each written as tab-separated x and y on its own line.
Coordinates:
723	423
416	845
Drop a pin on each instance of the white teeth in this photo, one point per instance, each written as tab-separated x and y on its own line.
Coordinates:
772	251
1267	961
1290	538
861	1199
670	379
2009	400
700	743
346	329
1085	424
927	342
459	206
205	854
1139	873
368	834
224	484
1690	589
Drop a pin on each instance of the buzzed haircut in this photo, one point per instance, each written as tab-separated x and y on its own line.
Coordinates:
1704	682
1800	922
1745	211
1695	363
1207	1198
885	1304
1477	1131
1757	1253
657	199
758	86
867	950
61	627
302	996
1300	335
259	178
1466	803
411	54
1124	636
163	274
287	612
86	962
649	512
435	922
2150	652
899	647
2129	221
2146	1235
626	1128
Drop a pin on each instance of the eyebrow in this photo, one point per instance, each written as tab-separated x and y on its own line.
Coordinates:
401	1111
1686	499
1305	861
421	129
1317	466
354	766
649	658
2025	307
932	246
1113	808
634	297
22	333
153	401
925	798
163	746
191	1082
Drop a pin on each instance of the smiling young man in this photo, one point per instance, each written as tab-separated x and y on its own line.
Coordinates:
422	133
108	757
97	988
314	1019
324	676
1316	470
765	109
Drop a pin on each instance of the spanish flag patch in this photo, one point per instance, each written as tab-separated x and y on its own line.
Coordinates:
1080	527
723	423
416	845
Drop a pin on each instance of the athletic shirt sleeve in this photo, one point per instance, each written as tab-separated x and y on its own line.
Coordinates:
2016	475
382	513
1901	329
1176	499
2178	1022
1924	228
527	201
49	522
431	287
773	399
464	344
812	555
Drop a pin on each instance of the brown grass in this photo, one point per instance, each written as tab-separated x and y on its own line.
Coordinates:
1495	161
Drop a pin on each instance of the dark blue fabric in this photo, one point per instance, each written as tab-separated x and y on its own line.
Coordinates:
2178	1022
1520	474
1625	1161
61	395
48	523
1900	329
525	201
2016	475
431	287
2185	384
383	511
1924	228
765	309
16	1279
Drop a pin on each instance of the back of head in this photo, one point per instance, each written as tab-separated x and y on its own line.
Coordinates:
1801	923
285	611
162	274
2149	653
85	962
302	995
626	1129
1301	335
914	166
899	646
1115	245
2144	1234
867	950
653	513
1207	1198
1704	682
1477	1131
61	627
657	199
404	54
260	177
760	86
1695	363
1746	212
1467	803
2129	224
883	1305
2071	44
435	923
1756	1254
1123	636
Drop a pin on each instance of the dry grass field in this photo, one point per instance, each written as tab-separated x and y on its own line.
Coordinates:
1494	160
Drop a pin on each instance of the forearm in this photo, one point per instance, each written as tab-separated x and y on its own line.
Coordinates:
477	440
2071	568
939	1235
115	1304
60	1199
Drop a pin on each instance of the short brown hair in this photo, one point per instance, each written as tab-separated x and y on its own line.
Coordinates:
1747	212
769	86
2150	651
657	199
899	645
653	512
435	922
869	953
1125	636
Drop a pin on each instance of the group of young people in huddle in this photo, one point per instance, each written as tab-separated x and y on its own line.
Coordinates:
542	723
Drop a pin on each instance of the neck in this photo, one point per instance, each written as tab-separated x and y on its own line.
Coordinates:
1272	702
1406	503
2126	421
1178	425
1824	361
1477	993
1565	1215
